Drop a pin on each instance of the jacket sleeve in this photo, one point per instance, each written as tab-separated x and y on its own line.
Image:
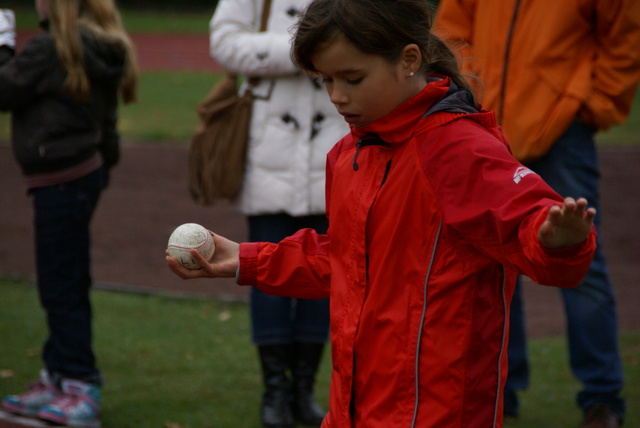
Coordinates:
110	144
616	68
6	53
22	76
298	266
498	205
236	44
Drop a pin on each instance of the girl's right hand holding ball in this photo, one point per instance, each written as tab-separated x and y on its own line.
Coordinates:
224	263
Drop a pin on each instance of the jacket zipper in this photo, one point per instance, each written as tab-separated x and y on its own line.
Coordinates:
386	173
367	140
355	157
505	65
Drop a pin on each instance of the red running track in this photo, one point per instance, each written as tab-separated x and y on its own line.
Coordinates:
184	52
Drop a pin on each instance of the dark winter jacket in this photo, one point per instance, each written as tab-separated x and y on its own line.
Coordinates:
51	130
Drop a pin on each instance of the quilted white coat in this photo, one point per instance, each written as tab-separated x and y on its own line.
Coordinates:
294	125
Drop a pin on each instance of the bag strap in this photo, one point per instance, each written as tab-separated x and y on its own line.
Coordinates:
266	10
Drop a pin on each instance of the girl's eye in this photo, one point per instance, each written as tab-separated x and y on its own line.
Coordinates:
354	81
326	80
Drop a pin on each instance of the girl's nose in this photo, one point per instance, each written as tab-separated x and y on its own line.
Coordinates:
337	96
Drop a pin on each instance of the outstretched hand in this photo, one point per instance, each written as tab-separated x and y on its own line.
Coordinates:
223	264
567	225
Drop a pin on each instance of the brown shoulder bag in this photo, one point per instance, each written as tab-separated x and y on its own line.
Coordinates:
218	147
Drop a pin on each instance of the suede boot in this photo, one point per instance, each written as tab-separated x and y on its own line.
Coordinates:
304	366
276	410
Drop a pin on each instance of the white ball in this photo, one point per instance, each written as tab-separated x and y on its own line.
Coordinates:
190	236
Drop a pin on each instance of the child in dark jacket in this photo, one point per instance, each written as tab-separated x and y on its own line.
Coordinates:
430	221
62	90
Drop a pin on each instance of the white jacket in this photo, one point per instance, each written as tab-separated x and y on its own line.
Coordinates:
294	125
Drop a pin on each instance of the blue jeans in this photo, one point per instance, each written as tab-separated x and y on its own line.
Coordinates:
62	214
571	169
283	320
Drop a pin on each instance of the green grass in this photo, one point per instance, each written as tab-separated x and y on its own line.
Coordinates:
167	22
166	109
164	359
136	21
190	362
627	133
550	399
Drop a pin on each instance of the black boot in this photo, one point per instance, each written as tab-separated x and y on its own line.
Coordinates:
275	411
305	363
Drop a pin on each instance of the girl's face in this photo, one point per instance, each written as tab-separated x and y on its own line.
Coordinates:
366	87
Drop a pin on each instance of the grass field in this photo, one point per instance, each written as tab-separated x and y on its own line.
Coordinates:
135	21
189	362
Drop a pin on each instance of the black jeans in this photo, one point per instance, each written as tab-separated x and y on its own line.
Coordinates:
62	215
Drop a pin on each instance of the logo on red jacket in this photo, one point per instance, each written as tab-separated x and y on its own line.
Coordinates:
520	173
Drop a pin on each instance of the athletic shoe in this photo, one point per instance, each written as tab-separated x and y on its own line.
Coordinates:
77	406
38	394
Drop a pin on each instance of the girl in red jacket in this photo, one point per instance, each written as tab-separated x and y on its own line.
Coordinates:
430	220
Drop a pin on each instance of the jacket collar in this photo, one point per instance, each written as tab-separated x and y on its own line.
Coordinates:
399	125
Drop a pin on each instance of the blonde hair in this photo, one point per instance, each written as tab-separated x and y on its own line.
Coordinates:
101	19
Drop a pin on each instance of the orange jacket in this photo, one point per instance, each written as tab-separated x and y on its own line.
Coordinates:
541	63
430	220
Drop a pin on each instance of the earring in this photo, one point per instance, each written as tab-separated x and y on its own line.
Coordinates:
411	74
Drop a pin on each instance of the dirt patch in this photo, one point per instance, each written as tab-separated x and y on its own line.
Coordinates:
148	198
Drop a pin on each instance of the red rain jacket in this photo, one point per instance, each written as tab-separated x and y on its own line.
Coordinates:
428	229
